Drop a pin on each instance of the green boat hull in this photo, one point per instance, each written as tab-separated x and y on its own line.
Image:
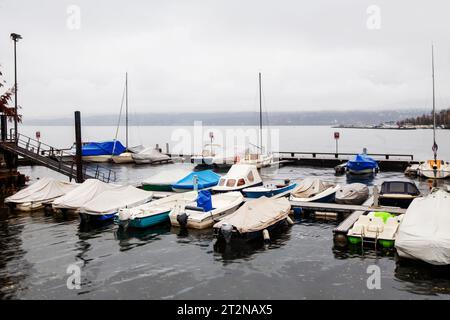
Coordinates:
154	187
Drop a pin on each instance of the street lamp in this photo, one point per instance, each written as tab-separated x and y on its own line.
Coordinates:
15	37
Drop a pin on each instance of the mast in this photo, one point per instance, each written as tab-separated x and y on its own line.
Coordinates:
126	110
435	147
260	115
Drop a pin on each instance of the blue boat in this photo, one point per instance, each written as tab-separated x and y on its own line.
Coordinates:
362	164
90	218
113	147
267	191
205	179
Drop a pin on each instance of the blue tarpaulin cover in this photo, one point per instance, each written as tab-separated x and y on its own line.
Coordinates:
362	162
103	148
206	179
204	200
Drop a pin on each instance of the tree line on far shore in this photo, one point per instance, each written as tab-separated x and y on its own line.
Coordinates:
442	120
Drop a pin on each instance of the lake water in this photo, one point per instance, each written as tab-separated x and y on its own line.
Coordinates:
164	263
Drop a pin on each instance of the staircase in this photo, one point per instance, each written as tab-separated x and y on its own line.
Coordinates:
59	160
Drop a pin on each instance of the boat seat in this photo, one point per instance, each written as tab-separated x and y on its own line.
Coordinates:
360	225
375	225
390	229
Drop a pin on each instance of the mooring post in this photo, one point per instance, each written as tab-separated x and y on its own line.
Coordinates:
4	125
78	159
375	196
167	148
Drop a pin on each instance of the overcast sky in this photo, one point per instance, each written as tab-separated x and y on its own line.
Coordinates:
205	55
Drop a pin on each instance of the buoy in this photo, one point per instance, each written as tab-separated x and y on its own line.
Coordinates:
289	220
266	235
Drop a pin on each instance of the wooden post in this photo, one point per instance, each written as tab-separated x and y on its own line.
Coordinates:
78	159
167	148
375	196
4	125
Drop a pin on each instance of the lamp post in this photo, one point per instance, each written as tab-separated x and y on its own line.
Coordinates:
15	37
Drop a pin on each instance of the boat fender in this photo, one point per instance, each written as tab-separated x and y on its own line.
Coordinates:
227	231
289	220
266	236
182	219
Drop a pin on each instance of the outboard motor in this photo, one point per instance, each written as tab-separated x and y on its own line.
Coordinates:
227	231
182	219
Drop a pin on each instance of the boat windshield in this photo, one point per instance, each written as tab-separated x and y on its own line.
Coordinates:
241	182
222	182
231	182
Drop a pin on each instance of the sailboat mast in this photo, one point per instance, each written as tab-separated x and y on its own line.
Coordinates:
434	106
126	109
260	115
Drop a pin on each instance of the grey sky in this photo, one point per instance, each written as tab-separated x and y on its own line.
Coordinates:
204	55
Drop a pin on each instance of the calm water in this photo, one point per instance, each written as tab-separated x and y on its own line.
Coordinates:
163	263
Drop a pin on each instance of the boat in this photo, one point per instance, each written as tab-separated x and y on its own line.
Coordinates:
101	151
354	193
207	210
260	158
43	191
314	190
362	164
435	168
122	158
198	179
239	176
253	219
424	232
78	197
398	193
150	156
213	155
269	190
154	212
163	181
377	228
105	205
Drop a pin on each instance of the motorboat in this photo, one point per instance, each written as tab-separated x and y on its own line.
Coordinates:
207	210
213	154
398	193
41	192
434	169
269	190
259	160
424	232
154	212
253	219
77	198
150	156
362	164
105	205
354	193
101	151
377	228
163	181
198	179
240	176
314	190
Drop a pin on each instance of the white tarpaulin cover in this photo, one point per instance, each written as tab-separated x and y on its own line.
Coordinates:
257	215
424	233
150	154
310	187
42	190
110	201
84	193
354	193
167	177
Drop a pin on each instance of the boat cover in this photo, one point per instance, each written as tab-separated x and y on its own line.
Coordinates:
84	193
166	177
310	187
113	147
150	154
257	215
206	179
354	193
362	162
424	233
204	200
136	149
110	201
399	187
42	190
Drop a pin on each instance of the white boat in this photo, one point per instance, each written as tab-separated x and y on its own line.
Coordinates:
163	181
240	176
105	205
424	233
253	219
354	193
127	157
98	159
191	216
78	197
150	156
42	191
436	168
154	212
314	190
213	155
377	228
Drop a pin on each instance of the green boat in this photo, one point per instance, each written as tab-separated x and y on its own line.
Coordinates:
163	181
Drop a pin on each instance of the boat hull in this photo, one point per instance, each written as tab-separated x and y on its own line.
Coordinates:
92	218
146	222
157	187
248	236
269	193
402	202
97	159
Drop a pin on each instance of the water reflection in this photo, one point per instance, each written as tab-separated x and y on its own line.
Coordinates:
131	238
